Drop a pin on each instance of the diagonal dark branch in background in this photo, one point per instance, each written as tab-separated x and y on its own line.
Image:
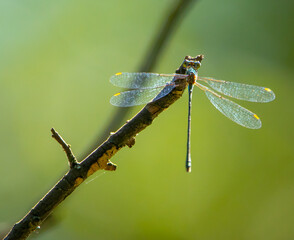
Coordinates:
169	23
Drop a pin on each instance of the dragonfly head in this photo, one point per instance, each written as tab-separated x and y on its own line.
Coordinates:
191	67
190	64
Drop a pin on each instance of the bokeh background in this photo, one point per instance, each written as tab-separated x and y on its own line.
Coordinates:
55	61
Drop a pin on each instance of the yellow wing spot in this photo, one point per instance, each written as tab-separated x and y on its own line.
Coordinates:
116	94
256	116
119	73
267	89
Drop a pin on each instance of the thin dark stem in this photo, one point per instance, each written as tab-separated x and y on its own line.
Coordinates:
66	147
188	158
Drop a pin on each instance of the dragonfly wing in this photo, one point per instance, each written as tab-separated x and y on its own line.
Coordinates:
139	96
140	80
241	91
234	111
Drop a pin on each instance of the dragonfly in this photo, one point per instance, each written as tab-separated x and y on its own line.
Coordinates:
150	87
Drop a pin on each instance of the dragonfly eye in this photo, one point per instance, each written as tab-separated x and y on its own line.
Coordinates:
186	63
197	65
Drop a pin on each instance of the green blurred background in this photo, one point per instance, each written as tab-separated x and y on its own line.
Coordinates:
55	61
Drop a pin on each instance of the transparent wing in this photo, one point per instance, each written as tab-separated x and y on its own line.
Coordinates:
142	80
241	91
234	111
139	96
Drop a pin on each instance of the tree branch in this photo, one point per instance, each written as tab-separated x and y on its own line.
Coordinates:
97	160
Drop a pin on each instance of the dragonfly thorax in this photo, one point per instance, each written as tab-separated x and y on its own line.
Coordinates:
191	69
192	75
